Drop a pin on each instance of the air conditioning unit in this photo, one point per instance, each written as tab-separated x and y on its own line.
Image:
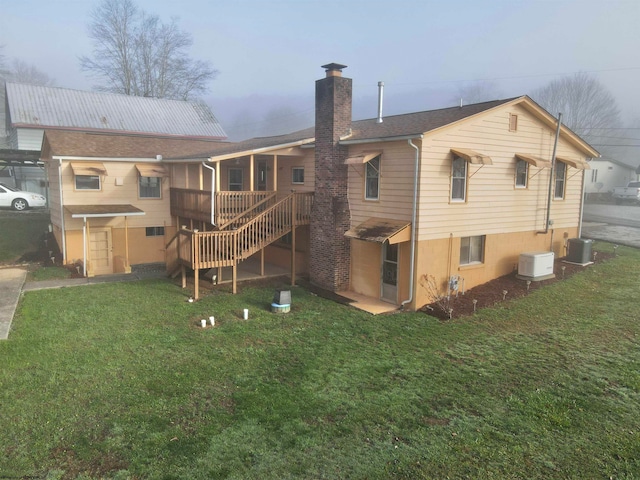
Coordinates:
536	265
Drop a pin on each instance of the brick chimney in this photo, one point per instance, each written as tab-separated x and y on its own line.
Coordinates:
330	249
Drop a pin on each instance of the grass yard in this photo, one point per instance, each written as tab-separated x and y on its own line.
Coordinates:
18	226
120	381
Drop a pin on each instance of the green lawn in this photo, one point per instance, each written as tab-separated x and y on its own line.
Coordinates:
16	227
119	380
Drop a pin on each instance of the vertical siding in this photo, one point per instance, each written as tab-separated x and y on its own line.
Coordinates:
493	203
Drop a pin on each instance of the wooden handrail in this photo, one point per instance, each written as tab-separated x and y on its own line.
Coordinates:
249	211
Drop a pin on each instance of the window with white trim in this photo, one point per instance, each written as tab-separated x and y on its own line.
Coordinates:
235	179
297	175
561	180
522	173
594	176
149	187
372	179
154	231
472	250
458	179
87	182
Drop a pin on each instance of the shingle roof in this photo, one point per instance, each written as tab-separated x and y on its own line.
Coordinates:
408	124
34	106
101	145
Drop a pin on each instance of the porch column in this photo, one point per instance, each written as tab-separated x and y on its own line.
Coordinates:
275	173
200	176
186	176
251	173
88	256
293	240
127	267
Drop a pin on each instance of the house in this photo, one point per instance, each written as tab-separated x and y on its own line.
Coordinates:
30	109
606	174
379	210
110	196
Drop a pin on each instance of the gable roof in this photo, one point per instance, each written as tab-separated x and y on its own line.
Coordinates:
615	162
34	106
60	143
408	125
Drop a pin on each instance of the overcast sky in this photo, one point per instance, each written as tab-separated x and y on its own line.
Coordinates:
269	53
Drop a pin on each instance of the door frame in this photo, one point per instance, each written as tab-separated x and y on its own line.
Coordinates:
92	271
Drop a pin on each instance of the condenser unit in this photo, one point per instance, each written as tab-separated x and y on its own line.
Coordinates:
536	265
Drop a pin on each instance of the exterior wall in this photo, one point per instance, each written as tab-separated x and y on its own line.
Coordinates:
285	166
609	176
494	205
440	258
28	138
397	166
142	249
280	254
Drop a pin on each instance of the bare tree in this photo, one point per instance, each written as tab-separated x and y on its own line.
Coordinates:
134	53
476	92
587	107
23	72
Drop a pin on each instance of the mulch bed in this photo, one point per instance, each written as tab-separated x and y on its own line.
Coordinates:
491	293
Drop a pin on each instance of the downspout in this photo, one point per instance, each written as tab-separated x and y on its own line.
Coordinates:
213	192
413	223
553	167
581	206
64	232
84	246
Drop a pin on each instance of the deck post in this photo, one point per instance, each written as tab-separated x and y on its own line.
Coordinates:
196	286
262	262
183	271
126	245
234	269
293	239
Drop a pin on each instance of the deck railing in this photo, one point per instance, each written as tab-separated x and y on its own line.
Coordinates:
224	248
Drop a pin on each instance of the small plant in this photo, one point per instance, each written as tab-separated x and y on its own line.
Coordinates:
442	300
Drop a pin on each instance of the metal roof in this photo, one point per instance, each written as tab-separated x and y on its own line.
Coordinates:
34	106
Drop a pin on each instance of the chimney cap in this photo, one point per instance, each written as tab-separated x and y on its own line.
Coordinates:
333	69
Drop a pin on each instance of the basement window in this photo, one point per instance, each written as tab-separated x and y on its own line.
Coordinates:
155	231
472	250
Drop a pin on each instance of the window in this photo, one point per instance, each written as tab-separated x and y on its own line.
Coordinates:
594	176
297	175
372	179
459	179
87	182
472	250
155	231
522	174
561	176
513	122
235	179
149	187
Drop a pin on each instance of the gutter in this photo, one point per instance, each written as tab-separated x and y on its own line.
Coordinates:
414	217
383	139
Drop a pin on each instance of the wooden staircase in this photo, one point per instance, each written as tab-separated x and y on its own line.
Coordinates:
241	236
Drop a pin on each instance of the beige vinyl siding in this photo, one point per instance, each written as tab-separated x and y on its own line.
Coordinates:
285	164
54	193
493	204
157	211
396	183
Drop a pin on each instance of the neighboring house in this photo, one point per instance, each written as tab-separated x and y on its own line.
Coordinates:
30	109
608	173
110	202
383	208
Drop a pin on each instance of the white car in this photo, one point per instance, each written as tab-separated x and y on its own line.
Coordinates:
19	200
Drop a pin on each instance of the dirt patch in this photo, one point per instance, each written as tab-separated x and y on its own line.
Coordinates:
493	292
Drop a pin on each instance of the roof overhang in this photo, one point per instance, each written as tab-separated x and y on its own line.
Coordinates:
577	163
472	156
19	157
362	157
533	160
381	230
98	211
149	170
280	149
88	168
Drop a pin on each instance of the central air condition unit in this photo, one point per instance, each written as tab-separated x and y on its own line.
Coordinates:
536	265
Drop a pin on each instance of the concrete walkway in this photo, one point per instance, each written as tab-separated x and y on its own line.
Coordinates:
11	282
